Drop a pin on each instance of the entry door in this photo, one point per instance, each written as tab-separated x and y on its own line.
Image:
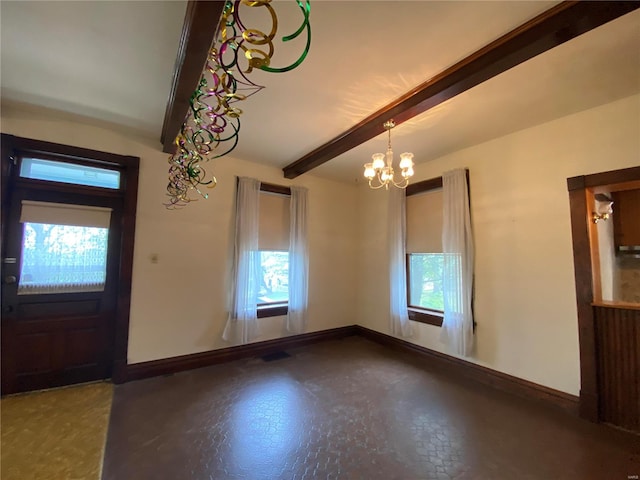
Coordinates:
59	286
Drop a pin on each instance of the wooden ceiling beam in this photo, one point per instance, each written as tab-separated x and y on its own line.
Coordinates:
198	33
557	25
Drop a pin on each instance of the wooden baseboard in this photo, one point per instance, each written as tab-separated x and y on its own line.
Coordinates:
166	366
589	406
119	372
499	380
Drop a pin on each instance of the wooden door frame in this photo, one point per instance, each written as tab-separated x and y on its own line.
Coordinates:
579	191
129	166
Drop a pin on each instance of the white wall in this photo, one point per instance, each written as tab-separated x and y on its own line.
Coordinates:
179	304
525	290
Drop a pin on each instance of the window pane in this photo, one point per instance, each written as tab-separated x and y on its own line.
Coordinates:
62	259
39	169
274	281
425	280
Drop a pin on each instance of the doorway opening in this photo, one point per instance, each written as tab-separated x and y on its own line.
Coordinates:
606	249
68	221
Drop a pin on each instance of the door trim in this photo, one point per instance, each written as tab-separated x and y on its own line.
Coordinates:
580	217
13	147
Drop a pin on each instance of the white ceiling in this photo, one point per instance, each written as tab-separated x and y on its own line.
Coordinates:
113	61
110	61
598	67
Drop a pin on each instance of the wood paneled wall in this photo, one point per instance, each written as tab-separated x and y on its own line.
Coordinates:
618	353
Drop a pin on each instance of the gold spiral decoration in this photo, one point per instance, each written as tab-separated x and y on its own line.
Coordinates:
212	124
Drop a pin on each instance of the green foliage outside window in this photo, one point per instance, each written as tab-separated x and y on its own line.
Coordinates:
63	255
274	281
425	280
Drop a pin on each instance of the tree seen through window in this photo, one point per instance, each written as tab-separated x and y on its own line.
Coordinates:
274	278
425	280
62	258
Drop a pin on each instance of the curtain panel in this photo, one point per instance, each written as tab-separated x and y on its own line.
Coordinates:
242	324
399	317
298	262
457	243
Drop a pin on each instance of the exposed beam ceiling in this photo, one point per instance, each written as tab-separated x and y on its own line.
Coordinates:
198	32
546	31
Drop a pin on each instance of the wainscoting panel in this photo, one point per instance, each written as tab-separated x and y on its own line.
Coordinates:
618	352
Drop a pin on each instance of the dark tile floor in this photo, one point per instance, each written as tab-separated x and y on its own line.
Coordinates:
348	409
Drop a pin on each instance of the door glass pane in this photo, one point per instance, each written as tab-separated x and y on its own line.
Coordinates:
425	280
39	169
62	259
274	281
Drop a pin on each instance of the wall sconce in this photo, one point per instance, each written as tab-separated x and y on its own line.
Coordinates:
604	207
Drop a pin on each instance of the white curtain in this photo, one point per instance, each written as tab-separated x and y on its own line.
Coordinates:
242	324
298	262
400	325
457	284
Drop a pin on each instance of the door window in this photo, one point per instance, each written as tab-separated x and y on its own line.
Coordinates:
64	248
62	259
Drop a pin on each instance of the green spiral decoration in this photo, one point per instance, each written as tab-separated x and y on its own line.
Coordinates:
212	125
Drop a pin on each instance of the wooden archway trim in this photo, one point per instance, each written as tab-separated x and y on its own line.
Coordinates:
578	200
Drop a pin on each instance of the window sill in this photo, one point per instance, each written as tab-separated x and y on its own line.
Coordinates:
429	317
272	310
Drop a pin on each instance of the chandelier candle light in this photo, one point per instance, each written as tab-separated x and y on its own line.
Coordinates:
380	174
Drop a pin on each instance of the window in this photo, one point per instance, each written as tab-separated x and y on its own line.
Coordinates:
64	248
425	281
39	169
62	259
273	242
274	287
425	259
